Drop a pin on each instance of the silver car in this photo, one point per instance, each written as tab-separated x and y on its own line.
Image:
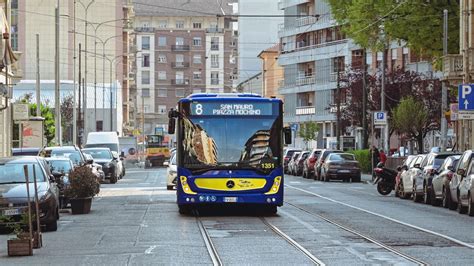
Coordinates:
461	184
439	184
415	170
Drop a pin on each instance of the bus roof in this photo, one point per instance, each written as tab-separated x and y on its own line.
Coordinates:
228	96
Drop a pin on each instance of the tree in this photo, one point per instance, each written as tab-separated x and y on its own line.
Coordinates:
411	117
308	132
67	112
46	112
419	23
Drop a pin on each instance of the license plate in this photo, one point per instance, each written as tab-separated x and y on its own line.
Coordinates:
230	199
344	171
11	212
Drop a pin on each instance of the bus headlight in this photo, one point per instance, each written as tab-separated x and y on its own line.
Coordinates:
275	187
185	186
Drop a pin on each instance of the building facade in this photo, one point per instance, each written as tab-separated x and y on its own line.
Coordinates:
272	72
186	49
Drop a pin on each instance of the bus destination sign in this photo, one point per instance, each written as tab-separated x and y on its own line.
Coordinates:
229	108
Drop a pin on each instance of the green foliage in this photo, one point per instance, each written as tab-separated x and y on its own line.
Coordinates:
308	131
47	113
18	228
83	183
363	157
411	117
419	23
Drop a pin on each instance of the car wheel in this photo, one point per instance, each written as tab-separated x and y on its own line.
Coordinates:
434	200
52	226
305	175
168	187
461	209
113	179
470	207
326	177
416	197
451	204
445	202
426	195
356	179
271	210
403	194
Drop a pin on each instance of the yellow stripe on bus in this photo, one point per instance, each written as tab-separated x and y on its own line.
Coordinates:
239	184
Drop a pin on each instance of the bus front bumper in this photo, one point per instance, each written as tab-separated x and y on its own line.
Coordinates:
215	198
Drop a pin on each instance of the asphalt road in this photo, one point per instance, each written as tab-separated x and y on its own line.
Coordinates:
136	222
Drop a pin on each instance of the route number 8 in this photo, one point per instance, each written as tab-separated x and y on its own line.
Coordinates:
199	109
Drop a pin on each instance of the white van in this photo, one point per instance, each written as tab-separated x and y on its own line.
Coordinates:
103	140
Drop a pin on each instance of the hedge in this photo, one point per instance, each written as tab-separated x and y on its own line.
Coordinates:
363	157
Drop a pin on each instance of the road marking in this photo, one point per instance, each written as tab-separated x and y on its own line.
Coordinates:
387	218
150	249
295	182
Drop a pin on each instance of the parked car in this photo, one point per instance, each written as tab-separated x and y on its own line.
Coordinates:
14	189
60	169
466	190
320	162
459	182
406	179
120	164
71	152
298	168
308	166
171	172
95	167
440	183
103	140
292	162
287	155
342	166
423	183
104	157
407	164
25	151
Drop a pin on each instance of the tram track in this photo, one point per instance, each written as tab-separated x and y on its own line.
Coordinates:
368	238
211	249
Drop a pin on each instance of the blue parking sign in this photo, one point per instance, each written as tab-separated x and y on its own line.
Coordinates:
466	97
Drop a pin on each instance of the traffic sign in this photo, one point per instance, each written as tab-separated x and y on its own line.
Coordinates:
380	118
466	97
294	127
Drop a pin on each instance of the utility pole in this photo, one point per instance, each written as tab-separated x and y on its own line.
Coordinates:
364	100
74	106
444	89
95	82
56	90
384	134
80	94
466	80
338	105
38	90
111	99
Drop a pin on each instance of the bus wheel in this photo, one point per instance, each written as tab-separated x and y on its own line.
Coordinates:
184	209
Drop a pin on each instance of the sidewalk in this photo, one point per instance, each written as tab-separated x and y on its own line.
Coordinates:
366	178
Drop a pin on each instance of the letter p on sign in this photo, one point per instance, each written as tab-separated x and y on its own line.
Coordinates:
466	90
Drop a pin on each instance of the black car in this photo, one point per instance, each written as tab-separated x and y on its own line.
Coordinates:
14	199
320	162
105	158
73	153
61	168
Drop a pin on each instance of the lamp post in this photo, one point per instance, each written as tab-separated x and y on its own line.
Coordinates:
86	10
111	62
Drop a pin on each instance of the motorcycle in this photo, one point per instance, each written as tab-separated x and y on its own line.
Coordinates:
385	179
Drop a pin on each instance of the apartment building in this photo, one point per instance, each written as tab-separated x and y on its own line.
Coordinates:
272	72
182	49
313	51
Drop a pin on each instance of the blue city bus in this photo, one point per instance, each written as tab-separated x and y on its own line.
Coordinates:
229	150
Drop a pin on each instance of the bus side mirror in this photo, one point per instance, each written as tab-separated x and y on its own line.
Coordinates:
287	134
172	114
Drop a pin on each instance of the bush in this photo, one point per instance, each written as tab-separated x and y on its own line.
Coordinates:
363	157
82	183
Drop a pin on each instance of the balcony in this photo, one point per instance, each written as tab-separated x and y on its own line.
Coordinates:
306	80
180	82
282	4
300	22
453	67
180	64
214	47
145	29
305	110
179	48
215	30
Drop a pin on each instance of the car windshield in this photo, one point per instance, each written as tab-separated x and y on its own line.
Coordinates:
61	166
111	146
98	154
15	173
290	153
341	157
73	155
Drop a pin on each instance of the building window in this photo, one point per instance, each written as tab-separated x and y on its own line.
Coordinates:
197	25
179	58
214	78
233	43
215	61
145	92
196	75
162	93
197	59
146	60
146	77
179	24
180	93
163	24
162	109
338	64
99	125
197	41
179	41
145	42
232	59
161	41
214	43
161	75
161	58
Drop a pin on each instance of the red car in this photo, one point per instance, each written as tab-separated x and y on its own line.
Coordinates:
308	167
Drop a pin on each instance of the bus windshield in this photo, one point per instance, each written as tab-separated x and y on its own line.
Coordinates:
237	142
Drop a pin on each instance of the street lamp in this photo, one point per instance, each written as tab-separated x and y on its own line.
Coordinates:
111	61
86	10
